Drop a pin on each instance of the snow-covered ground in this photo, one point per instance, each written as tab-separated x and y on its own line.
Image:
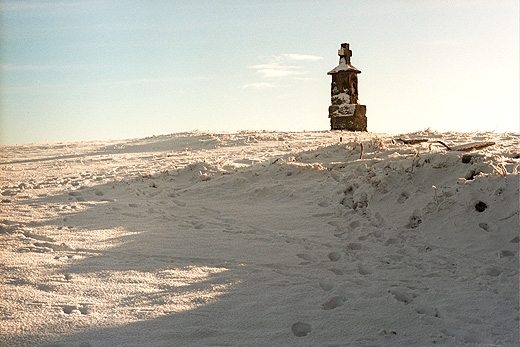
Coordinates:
261	239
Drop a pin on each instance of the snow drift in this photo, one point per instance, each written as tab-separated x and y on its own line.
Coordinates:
261	239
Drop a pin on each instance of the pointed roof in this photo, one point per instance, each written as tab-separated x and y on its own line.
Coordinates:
343	67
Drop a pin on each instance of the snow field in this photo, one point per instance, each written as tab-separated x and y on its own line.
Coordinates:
261	238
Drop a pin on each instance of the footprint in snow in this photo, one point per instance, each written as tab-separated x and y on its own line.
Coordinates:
68	309
71	309
338	272
354	224
401	295
306	257
326	286
505	254
179	203
300	329
353	246
415	220
197	225
335	301
429	311
363	270
335	224
403	197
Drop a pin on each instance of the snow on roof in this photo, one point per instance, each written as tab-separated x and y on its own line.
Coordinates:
343	67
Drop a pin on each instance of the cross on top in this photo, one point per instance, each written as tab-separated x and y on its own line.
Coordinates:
344	53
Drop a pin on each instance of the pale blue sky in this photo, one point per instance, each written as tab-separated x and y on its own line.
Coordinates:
88	69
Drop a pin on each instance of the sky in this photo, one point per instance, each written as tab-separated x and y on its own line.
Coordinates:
96	70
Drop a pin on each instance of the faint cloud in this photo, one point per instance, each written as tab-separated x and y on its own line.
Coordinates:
260	85
282	65
277	70
290	56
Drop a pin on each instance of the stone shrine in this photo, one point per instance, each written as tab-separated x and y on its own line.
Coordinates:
345	112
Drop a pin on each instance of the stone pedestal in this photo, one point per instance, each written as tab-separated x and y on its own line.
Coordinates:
345	112
348	117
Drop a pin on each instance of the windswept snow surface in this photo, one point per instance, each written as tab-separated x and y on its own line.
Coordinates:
260	239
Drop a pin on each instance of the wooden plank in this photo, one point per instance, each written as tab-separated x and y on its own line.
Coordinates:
472	146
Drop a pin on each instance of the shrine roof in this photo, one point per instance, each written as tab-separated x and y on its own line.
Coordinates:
343	67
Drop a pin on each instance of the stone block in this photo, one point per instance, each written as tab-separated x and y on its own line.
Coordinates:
355	121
